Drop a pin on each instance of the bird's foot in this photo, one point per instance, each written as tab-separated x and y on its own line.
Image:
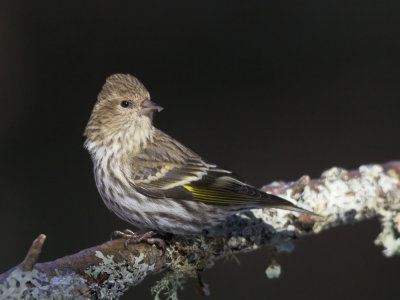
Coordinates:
148	237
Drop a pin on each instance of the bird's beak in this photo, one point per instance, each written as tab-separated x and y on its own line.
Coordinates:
148	107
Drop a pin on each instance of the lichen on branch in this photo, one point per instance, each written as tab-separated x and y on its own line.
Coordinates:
108	270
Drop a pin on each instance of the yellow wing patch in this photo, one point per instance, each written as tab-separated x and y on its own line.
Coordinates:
216	195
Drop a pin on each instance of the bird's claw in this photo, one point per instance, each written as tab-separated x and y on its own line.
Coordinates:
136	238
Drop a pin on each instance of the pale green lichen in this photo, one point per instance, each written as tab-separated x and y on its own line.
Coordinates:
35	285
343	199
120	275
389	237
273	271
189	255
168	286
14	287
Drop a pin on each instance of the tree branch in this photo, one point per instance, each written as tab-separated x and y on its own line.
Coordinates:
108	270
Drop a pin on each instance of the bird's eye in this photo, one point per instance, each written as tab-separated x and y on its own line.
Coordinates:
124	103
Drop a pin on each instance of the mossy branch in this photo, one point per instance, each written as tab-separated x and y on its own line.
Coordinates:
108	270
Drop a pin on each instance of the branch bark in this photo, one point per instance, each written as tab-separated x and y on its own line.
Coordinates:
109	269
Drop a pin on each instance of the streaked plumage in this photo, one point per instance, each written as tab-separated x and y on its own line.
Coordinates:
151	180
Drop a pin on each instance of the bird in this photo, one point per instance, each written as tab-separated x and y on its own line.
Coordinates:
151	180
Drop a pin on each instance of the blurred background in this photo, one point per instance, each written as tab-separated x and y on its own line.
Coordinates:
271	89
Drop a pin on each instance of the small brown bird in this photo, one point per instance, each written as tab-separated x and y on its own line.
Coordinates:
151	180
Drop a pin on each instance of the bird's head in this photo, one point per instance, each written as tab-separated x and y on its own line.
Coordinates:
123	110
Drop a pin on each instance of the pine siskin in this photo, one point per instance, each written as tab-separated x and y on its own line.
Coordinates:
151	180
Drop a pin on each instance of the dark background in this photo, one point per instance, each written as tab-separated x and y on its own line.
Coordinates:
271	89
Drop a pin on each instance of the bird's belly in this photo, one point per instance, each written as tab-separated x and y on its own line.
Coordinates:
162	215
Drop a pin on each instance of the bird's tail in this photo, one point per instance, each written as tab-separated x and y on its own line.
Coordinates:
278	202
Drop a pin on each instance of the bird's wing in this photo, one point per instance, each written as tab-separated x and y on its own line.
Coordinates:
192	181
167	169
